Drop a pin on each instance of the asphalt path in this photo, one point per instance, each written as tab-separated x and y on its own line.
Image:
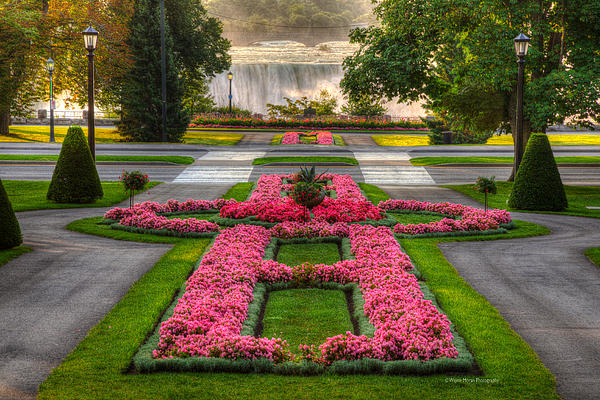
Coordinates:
51	297
543	286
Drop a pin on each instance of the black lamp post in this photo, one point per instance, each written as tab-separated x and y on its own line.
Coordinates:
230	77
163	70
50	69
521	47
90	39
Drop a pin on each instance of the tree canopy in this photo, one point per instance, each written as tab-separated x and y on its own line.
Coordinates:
458	56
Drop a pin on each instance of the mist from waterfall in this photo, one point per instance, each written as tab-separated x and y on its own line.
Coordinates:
269	71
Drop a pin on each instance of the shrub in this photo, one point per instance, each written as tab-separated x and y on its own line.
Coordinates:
10	231
75	178
538	185
437	126
486	186
133	181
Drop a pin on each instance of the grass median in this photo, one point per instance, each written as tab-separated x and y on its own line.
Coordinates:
419	161
31	195
307	159
97	367
39	157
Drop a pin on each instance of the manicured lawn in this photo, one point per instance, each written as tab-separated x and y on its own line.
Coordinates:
31	195
9	254
42	134
493	160
594	255
414	218
373	193
401	140
95	369
40	157
306	316
314	253
239	191
555	140
212	138
578	196
267	160
110	135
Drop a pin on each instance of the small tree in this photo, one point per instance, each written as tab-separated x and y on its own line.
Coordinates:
486	185
75	178
10	231
538	185
133	181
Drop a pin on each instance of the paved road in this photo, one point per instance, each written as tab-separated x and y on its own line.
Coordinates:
379	165
543	286
51	297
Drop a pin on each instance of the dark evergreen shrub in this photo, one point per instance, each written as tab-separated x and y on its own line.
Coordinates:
75	178
10	231
538	185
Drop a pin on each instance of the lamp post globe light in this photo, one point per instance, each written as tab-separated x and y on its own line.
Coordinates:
50	69
521	46
90	40
230	77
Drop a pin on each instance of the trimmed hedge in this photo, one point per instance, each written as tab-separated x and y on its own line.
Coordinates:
538	185
10	231
75	178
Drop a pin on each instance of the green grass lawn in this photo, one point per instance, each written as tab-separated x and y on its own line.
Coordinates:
493	160
212	138
8	254
239	191
95	368
39	157
373	193
414	218
267	160
555	140
111	135
306	316
31	195
578	196
594	255
314	253
401	140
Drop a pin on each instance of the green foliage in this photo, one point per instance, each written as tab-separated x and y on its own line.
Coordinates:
141	109
9	254
307	175
537	184
363	105
10	231
75	178
234	110
460	56
314	253
594	255
307	194
325	104
486	185
438	126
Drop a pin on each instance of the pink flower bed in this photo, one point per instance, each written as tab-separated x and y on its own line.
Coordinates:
147	219
323	137
207	320
473	219
294	229
291	138
170	206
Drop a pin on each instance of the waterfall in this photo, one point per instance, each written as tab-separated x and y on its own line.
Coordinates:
269	71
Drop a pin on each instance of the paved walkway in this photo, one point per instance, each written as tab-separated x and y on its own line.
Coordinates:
543	286
51	297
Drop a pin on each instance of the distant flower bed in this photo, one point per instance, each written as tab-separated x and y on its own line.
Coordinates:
327	124
320	137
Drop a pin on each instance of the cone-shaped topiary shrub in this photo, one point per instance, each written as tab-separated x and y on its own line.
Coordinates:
538	185
10	231
75	178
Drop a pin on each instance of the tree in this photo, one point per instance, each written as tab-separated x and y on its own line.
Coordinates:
363	105
10	231
75	178
141	110
19	59
459	58
538	185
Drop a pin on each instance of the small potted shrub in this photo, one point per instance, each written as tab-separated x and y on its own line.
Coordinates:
133	181
486	185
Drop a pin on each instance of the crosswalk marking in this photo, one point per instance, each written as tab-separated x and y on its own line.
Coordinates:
397	175
382	156
214	174
232	155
